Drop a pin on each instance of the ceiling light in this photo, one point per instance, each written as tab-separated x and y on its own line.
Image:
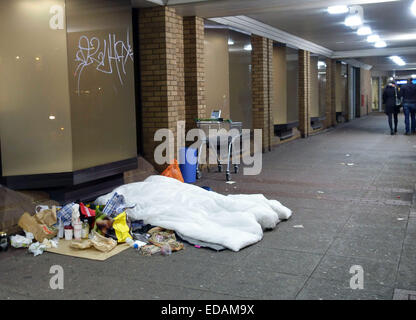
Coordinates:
413	8
373	38
397	60
337	9
51	117
248	47
364	31
380	44
230	42
413	76
353	20
321	64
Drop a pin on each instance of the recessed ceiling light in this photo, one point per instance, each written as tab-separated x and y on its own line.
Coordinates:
337	9
397	60
353	20
413	8
230	42
380	44
413	76
51	117
373	38
364	31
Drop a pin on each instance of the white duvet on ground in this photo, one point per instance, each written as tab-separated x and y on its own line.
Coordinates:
233	221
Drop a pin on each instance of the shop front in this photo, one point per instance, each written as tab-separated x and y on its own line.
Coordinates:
67	95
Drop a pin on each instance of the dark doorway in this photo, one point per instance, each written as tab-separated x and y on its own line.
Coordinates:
357	92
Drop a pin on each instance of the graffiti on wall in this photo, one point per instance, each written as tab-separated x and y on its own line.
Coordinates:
109	56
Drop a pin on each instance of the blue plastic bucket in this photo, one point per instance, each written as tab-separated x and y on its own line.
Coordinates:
188	160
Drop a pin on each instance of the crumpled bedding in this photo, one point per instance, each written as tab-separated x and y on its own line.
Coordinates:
233	221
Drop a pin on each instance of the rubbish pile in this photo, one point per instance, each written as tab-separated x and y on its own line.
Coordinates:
86	226
162	207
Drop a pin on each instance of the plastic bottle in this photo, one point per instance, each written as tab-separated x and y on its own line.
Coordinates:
134	244
77	230
85	229
60	229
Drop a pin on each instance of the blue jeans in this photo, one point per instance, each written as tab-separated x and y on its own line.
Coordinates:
409	109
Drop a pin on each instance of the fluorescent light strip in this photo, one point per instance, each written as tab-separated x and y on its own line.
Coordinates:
397	60
337	9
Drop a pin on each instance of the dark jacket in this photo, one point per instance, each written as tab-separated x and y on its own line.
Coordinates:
389	100
408	93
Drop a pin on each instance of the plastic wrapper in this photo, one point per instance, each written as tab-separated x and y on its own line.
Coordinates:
160	237
84	244
50	243
19	241
102	243
37	248
150	250
173	171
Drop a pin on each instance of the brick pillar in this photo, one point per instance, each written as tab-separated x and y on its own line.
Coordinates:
330	114
195	101
262	75
162	80
304	92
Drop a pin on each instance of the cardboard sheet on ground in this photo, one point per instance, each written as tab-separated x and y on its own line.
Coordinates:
91	253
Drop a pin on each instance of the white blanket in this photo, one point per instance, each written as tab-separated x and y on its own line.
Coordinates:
233	221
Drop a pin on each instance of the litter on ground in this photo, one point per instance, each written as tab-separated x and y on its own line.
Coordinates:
153	217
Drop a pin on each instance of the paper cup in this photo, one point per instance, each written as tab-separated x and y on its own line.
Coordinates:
68	234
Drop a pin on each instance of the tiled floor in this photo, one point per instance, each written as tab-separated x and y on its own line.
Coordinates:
360	216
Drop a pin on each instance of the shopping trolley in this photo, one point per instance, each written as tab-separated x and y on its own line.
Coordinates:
210	140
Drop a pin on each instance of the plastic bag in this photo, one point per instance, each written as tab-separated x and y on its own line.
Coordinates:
37	248
50	243
102	243
173	171
19	241
150	250
85	244
121	228
161	238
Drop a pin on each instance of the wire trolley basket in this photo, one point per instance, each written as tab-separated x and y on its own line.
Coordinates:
217	139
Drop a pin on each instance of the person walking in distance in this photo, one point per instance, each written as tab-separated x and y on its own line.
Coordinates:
408	95
392	105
